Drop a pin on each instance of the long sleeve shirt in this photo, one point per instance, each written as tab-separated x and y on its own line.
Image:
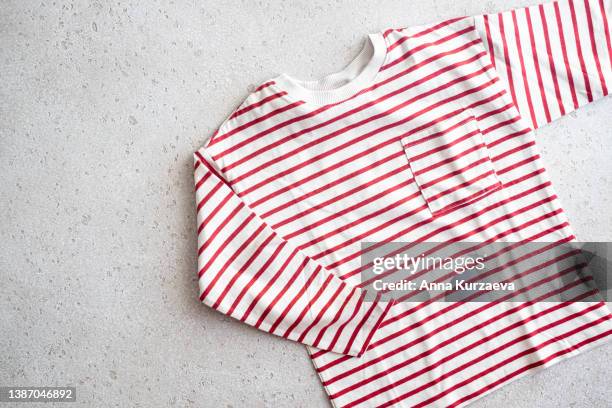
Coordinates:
428	135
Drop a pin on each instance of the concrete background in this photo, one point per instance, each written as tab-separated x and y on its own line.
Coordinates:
101	106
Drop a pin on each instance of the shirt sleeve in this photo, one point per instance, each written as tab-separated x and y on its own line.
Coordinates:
552	57
249	272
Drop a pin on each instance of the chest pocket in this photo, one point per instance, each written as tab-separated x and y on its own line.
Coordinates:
451	163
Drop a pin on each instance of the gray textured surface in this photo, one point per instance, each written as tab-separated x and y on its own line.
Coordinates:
101	106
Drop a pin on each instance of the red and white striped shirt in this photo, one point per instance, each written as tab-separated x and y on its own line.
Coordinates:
426	136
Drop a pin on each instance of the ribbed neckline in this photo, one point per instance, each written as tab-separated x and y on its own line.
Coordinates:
358	74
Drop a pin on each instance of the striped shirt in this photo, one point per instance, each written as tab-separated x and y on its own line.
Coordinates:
428	135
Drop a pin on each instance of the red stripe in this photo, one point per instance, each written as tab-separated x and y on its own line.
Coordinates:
446	146
604	19
335	319
551	61
449	160
450	275
501	124
487	191
421	33
423	46
324	309
282	292
232	257
517	36
264	85
305	310
568	70
208	195
432	136
585	75
482	193
388	32
466	183
489	39
507	58
340	330
218	138
468	332
519	164
396	44
268	285
298	296
455	339
375	327
330	186
514	150
257	104
536	63
602	80
257	274
201	181
221	225
460	222
243	267
357	329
